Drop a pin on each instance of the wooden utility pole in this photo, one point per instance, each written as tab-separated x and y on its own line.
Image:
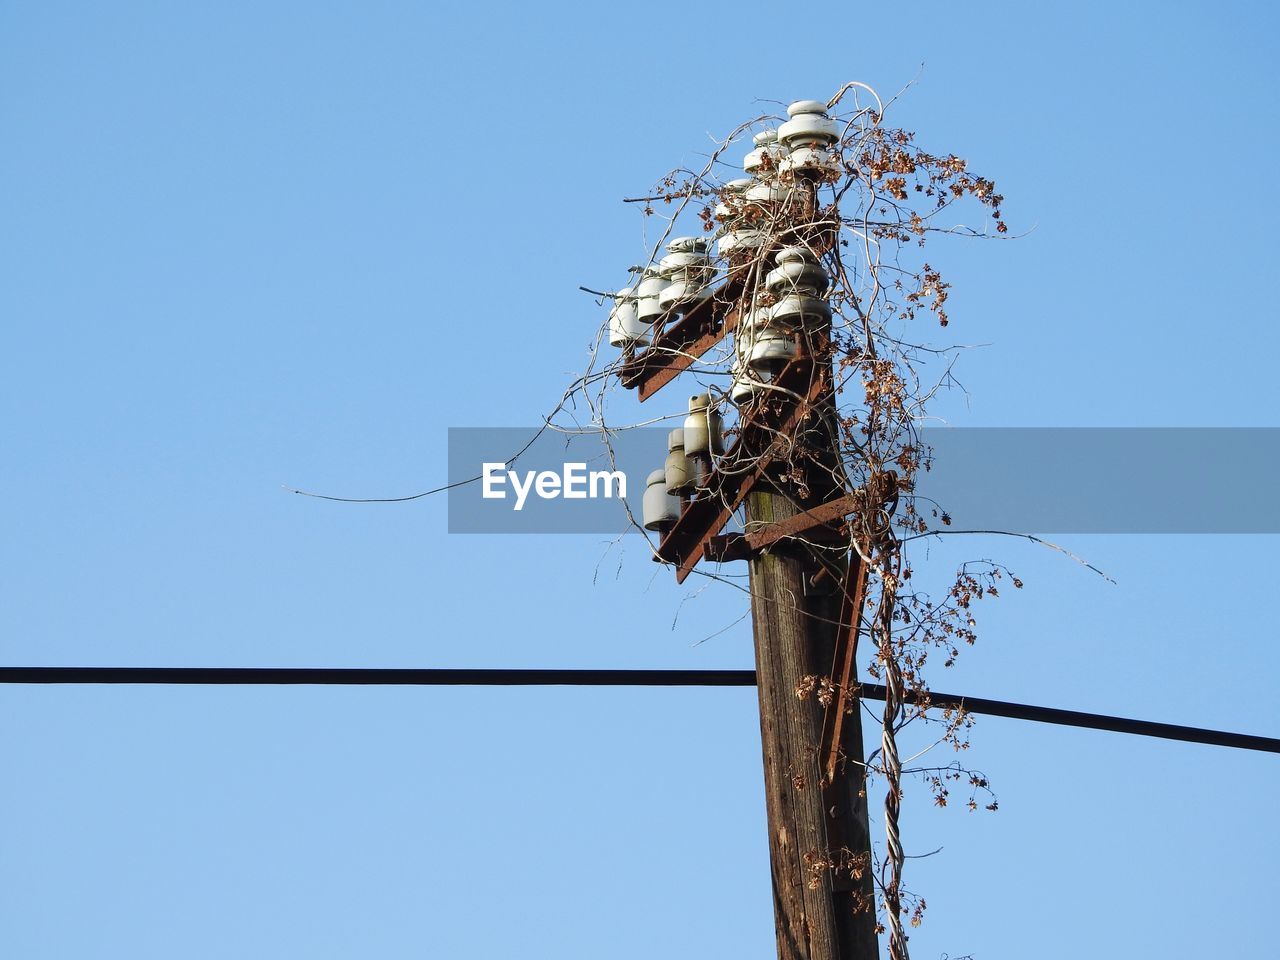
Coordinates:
806	599
785	469
805	611
818	832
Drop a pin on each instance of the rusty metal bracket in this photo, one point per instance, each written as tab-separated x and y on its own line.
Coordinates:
823	515
826	522
727	547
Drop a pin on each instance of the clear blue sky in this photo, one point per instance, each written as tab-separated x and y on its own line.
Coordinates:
246	245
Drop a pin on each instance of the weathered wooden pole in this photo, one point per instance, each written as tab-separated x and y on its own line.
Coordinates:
819	840
802	606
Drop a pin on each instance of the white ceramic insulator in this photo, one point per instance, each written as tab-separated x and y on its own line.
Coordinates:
800	311
647	291
770	349
680	475
683	292
703	427
659	509
738	241
766	192
809	126
768	151
820	159
625	328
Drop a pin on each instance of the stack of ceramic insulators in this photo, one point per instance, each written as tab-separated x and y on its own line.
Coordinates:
789	304
680	279
690	450
810	137
766	336
748	206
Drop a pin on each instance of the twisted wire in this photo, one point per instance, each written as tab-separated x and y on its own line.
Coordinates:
893	788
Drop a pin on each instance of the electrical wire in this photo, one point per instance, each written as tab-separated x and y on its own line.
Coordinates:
414	676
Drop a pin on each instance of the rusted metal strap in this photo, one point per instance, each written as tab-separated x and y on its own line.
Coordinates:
688	353
744	546
844	666
727	547
801	523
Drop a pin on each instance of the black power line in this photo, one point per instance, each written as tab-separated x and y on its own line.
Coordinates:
376	676
380	676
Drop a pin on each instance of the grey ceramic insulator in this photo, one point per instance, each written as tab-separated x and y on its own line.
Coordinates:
681	477
659	509
730	204
798	276
800	311
771	349
743	384
680	474
752	321
687	245
689	268
796	253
